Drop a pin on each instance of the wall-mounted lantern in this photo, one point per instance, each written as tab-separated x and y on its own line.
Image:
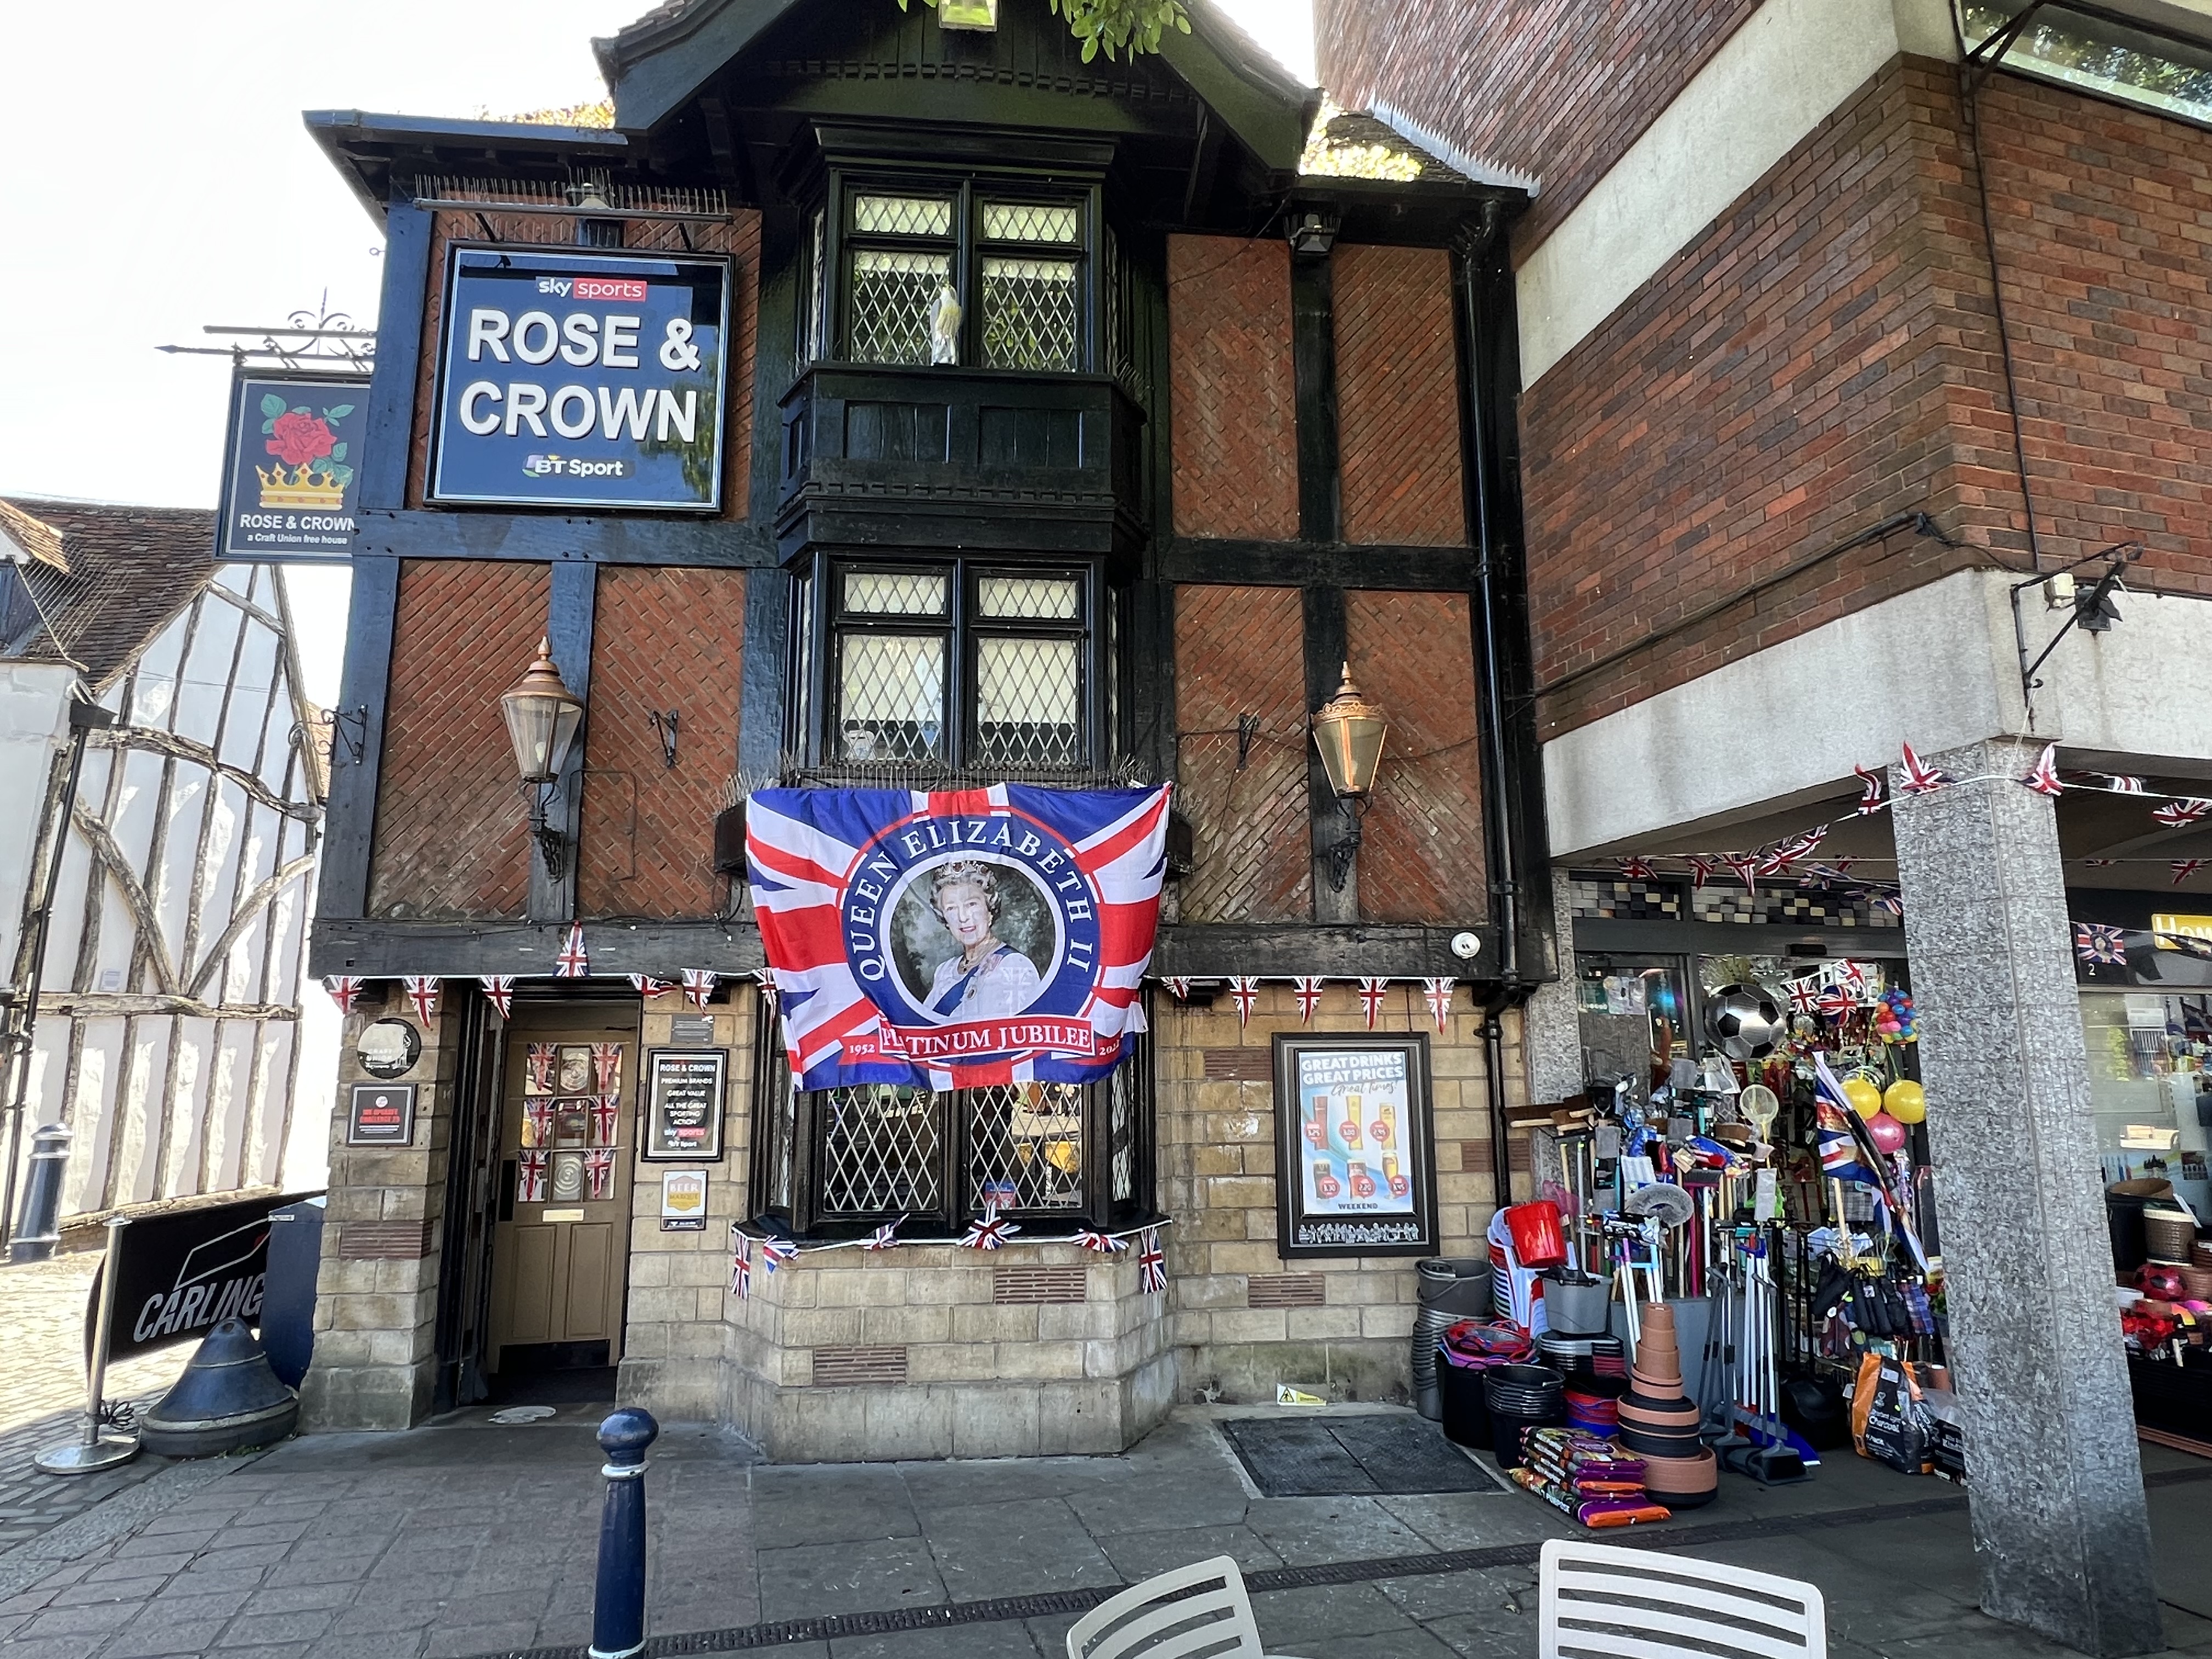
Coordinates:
1348	730
541	717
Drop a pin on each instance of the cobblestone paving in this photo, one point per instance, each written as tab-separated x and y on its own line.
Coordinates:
42	1307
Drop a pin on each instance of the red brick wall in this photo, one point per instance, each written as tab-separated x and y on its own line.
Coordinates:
1554	89
452	837
1397	389
1242	651
1421	855
1232	387
660	640
1820	359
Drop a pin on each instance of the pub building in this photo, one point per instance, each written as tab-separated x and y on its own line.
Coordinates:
853	484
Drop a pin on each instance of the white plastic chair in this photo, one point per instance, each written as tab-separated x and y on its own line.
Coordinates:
1198	1612
1599	1599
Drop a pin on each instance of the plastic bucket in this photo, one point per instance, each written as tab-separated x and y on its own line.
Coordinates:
1540	1240
1465	1418
1573	1307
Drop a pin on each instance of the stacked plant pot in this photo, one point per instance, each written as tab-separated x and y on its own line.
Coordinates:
1659	1422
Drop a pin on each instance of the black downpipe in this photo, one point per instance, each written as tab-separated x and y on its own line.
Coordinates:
1494	1073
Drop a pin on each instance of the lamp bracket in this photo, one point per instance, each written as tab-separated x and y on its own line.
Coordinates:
552	845
663	727
1339	852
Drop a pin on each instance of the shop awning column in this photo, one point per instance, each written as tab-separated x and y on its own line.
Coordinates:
2054	1481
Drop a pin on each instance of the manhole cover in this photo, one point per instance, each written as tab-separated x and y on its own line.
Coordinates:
1383	1455
513	1414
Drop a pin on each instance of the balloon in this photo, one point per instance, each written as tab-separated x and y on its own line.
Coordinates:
1865	1099
1886	1132
1905	1101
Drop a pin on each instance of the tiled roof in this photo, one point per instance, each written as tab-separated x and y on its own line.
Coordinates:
107	577
1353	144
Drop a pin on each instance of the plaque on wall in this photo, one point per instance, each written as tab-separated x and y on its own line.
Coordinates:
683	1105
684	1201
380	1115
692	1030
1355	1162
388	1047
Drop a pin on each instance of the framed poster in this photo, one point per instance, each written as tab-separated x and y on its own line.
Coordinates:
380	1115
1355	1164
684	1095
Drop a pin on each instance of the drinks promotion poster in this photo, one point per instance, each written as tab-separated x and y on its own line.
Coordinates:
1354	1116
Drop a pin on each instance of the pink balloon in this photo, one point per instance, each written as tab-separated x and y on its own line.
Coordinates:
1886	1132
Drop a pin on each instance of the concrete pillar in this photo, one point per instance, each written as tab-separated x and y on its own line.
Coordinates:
1552	1026
2054	1484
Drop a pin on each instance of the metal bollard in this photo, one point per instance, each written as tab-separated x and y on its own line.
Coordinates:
40	1231
618	1598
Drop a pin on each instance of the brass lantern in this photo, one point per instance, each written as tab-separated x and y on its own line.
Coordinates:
541	717
1348	730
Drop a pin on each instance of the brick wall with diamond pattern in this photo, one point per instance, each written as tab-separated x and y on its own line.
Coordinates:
1397	391
1233	392
452	836
661	640
1240	650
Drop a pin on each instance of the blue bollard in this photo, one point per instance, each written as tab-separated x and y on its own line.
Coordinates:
618	1598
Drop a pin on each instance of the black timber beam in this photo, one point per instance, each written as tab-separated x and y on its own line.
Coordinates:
1284	951
1302	564
551	539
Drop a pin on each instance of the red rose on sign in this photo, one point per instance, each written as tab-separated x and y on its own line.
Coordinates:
299	437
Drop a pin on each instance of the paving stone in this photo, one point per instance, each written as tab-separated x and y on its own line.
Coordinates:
77	1621
1137	1555
464	1639
998	1640
1295	1621
1307	1530
144	1639
253	1626
824	1578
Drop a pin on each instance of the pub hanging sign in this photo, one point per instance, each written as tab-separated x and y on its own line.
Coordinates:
290	467
581	380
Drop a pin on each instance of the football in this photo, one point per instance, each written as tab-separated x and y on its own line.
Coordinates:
1745	1020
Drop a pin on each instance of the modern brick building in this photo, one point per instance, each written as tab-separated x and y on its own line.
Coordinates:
1857	338
1078	422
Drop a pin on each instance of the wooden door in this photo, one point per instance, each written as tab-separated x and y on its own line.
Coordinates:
561	1255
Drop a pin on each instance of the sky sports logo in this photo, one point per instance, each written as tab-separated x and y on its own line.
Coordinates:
593	287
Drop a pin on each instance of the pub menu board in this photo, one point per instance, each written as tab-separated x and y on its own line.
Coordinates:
683	1094
1355	1164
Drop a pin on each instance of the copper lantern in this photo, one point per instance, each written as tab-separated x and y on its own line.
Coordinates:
541	717
1348	730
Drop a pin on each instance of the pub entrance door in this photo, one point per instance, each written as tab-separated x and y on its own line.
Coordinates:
561	1250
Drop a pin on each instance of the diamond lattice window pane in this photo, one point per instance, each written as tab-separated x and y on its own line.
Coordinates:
1025	1147
902	216
1123	1085
891	696
1030	314
1028	702
893	296
1028	221
896	592
880	1147
1026	599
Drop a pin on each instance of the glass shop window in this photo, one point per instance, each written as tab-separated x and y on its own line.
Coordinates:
2150	1088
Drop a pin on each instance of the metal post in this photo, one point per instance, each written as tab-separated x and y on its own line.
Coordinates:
94	1450
618	1598
40	1232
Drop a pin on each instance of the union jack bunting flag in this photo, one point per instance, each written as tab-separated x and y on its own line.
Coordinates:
344	990
2175	813
600	1169
698	987
1701	869
1804	996
537	1120
1151	1263
1245	993
2188	944
606	1066
1890	899
646	986
2184	868
1043	904
1637	869
1439	994
530	1175
2093	942
986	1231
1920	777
542	1058
499	991
1851	977
1835	1004
606	1120
1371	993
1307	989
1870	799
1745	866
765	978
422	995
2043	776
741	1268
884	1238
774	1252
1179	987
2100	864
1791	848
1103	1243
2117	784
574	961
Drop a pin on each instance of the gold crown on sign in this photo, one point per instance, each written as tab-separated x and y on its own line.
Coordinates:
300	487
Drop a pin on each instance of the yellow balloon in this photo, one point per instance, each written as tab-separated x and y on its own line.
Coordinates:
1865	1098
1905	1101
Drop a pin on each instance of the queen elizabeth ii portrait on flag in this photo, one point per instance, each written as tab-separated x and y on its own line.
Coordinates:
978	971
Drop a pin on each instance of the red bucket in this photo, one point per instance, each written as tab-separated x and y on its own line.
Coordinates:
1539	1239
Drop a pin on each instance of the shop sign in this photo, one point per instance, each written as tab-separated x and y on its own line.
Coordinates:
1355	1166
684	1090
380	1115
958	939
684	1201
388	1047
2168	927
177	1276
581	380
290	467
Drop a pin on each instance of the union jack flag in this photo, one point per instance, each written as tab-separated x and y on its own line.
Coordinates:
542	1057
1701	869
1151	1263
2175	813
574	961
986	1231
1804	996
1104	1243
1371	993
1835	1004
2043	776
2184	868
344	990
530	1175
1890	899
422	992
600	1169
537	1120
823	863
646	986
1307	989
499	991
1637	869
606	1120
774	1252
2117	784
1179	987
741	1268
1787	851
2093	942
1745	866
765	978
1840	1158
699	987
1870	799
1849	976
2100	864
1245	993
1439	994
606	1065
884	1238
1920	777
